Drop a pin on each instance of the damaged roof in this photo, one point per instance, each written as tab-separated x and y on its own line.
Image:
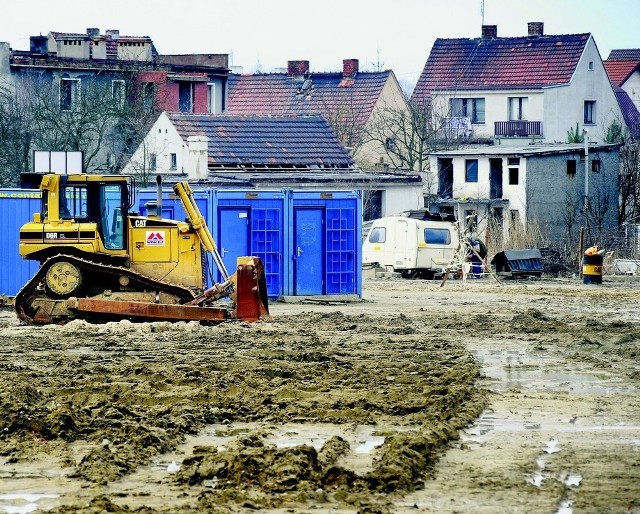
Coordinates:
265	142
500	63
313	93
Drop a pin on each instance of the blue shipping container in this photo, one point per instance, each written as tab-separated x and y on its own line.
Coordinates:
16	208
252	223
325	244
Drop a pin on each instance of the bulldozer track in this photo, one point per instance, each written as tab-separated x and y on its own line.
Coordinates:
34	289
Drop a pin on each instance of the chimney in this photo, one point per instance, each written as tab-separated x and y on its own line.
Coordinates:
536	28
198	160
38	44
93	32
114	33
489	31
350	67
297	68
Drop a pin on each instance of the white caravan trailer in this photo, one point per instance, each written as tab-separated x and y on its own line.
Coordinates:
411	246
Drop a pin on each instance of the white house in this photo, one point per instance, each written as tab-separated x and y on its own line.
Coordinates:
518	90
267	152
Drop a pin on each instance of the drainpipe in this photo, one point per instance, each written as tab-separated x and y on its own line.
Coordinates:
585	134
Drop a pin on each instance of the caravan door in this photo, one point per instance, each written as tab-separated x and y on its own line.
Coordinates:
405	245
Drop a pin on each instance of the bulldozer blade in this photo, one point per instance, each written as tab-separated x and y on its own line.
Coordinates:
252	302
147	310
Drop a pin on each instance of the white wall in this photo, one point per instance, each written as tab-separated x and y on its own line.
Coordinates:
632	87
399	198
564	105
162	140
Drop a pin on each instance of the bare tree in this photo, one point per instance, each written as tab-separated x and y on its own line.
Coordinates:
15	135
409	133
105	126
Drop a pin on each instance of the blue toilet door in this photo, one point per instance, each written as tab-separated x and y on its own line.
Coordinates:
233	238
308	251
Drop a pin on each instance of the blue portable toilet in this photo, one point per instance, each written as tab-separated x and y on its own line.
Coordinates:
252	223
325	243
16	208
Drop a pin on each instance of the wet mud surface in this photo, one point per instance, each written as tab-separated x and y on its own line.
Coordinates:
478	398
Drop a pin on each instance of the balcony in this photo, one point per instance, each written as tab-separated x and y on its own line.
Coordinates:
519	128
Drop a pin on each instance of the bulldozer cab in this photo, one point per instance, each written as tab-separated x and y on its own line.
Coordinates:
84	200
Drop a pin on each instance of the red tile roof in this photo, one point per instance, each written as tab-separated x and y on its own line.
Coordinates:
620	71
500	63
317	93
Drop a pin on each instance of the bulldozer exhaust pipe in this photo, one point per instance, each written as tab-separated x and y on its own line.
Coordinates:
159	195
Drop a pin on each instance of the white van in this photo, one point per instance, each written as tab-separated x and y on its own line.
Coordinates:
416	248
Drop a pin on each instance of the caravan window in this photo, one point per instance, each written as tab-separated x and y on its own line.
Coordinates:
378	235
437	236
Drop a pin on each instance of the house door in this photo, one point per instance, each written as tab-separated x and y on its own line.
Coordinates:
233	236
308	251
495	178
445	178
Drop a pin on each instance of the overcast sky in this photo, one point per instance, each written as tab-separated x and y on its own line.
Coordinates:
265	34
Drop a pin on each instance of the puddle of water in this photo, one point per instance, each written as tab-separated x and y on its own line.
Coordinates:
571	479
506	421
509	368
565	507
22	503
552	446
363	440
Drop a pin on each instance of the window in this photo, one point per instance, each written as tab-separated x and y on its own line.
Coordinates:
152	162
378	235
517	107
571	168
117	92
185	96
111	222
148	94
589	111
513	176
437	236
73	202
590	65
595	165
213	98
471	170
69	94
174	161
472	108
514	217
513	161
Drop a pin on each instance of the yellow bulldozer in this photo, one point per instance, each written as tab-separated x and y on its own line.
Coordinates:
99	261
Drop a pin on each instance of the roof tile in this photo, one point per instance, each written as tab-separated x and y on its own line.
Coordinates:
253	141
500	63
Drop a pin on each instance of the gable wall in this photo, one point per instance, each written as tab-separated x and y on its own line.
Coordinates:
564	106
632	87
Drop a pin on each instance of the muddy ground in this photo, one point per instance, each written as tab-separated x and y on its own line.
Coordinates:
520	397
